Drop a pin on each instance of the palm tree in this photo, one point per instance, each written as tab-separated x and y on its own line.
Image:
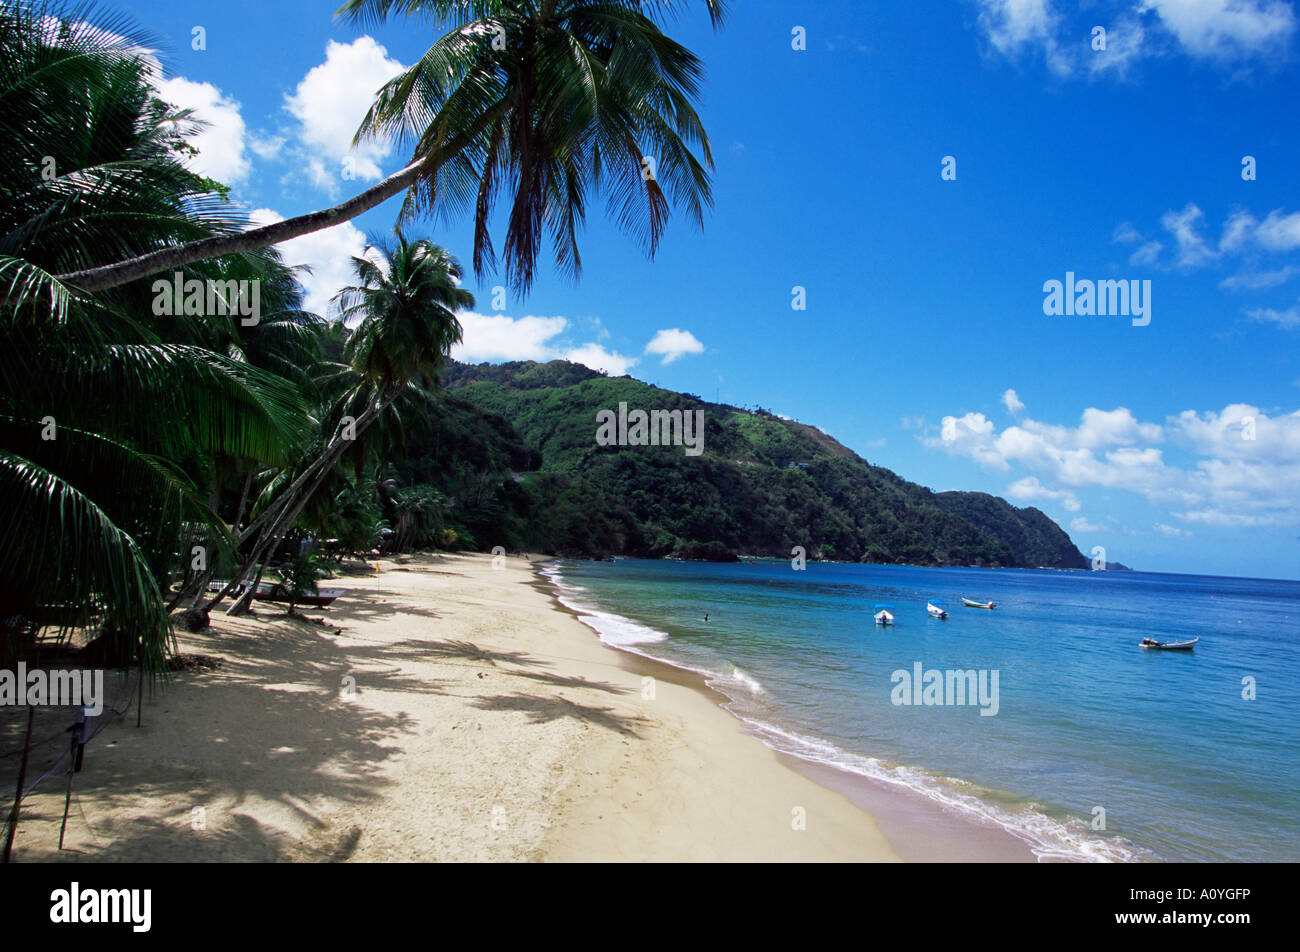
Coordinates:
102	420
545	100
286	341
404	311
415	513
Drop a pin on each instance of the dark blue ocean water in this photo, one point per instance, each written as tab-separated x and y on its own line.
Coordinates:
1184	766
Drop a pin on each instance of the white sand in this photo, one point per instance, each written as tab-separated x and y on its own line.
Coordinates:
487	724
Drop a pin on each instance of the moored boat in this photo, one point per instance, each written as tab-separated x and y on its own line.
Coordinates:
936	608
1170	645
884	614
970	603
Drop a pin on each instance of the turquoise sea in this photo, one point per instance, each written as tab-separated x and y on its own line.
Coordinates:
1170	745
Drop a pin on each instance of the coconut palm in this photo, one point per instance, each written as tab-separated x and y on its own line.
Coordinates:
416	513
543	100
102	420
403	317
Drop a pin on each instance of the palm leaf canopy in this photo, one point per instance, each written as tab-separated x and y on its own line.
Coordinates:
545	102
404	309
112	417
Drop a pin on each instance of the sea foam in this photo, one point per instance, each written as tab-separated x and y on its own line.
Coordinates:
1050	839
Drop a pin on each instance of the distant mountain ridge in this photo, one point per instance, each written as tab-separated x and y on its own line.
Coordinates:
762	486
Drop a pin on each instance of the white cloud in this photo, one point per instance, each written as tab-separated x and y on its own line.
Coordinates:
498	337
1279	231
1223	520
598	358
490	337
1259	280
1126	234
1239	431
1030	489
329	104
1013	23
1103	428
1226	29
1244	242
1147	255
327	253
1016	25
673	344
1172	532
1193	252
1012	402
1243	470
1268	315
1237	231
222	142
1126	44
1081	524
969	435
266	146
1215	30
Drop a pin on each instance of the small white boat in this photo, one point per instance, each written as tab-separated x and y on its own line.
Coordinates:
1170	645
973	604
884	614
937	609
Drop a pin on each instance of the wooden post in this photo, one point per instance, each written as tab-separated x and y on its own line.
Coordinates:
67	803
18	790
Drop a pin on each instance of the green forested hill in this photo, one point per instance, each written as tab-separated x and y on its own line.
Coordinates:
516	451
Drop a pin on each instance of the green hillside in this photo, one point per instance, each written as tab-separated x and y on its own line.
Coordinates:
516	452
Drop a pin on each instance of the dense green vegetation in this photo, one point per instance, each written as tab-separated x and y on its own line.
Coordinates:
151	442
169	414
145	451
762	485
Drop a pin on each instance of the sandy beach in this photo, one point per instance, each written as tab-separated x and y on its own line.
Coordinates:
450	711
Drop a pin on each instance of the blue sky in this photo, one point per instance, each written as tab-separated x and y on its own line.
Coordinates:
1175	445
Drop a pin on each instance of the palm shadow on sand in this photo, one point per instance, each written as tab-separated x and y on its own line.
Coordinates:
543	710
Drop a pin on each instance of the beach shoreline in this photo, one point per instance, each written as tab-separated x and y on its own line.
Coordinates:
445	710
916	828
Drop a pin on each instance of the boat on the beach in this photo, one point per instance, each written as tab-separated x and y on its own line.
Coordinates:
969	603
278	592
1170	645
884	614
937	609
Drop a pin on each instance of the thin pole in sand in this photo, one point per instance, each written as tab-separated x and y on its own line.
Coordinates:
67	804
139	698
18	790
74	761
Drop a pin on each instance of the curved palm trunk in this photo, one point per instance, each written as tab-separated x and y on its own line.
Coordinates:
273	536
166	259
244	603
262	527
243	498
196	584
291	503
